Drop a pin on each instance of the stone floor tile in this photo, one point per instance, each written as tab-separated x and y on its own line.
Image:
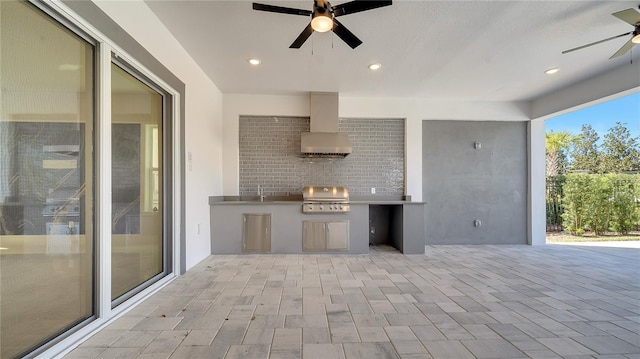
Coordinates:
199	337
369	320
566	346
160	323
407	308
166	342
369	351
541	354
287	338
84	353
134	338
322	351
502	294
416	356
528	345
344	334
510	332
103	339
306	321
258	351
480	331
315	336
427	333
231	334
401	298
472	318
609	345
372	334
409	347
119	353
493	348
125	323
400	333
154	356
258	336
285	353
382	306
454	331
533	330
406	319
447	349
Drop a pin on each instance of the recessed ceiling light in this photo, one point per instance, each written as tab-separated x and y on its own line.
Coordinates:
254	62
375	66
552	71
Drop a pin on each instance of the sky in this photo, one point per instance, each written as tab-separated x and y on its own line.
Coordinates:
601	117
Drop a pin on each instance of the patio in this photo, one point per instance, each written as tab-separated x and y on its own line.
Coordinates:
482	301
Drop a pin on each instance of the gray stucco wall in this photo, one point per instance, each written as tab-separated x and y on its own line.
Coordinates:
462	184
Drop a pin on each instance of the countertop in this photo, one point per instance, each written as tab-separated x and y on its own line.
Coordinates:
222	200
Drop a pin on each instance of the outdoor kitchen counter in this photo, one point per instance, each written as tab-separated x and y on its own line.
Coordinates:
226	218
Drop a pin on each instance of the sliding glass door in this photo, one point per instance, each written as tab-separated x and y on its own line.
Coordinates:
137	241
46	179
70	244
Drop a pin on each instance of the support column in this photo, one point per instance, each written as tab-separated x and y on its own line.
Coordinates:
536	211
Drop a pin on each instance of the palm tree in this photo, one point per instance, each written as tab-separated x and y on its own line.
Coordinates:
557	145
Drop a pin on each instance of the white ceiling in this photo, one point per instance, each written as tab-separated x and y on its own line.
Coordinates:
457	50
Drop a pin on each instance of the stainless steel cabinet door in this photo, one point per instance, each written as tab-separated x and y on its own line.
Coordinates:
338	236
325	236
256	232
313	236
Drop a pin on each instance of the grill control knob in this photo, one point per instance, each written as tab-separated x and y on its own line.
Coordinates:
341	207
321	208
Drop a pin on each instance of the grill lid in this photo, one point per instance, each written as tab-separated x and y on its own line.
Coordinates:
325	194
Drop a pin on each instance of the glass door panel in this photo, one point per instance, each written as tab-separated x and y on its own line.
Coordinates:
137	203
46	179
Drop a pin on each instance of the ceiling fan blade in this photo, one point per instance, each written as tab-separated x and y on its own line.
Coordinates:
623	50
630	16
595	43
346	35
281	9
304	35
357	6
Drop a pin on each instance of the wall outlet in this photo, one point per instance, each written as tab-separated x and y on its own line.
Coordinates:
373	190
477	223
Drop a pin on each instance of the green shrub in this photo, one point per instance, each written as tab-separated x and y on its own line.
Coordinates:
624	212
575	202
599	204
553	198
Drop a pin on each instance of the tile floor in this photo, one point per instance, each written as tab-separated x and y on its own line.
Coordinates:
452	302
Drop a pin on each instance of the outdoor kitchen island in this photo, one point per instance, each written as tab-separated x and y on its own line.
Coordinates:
280	226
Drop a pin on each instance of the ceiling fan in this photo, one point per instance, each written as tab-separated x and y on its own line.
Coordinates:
323	18
629	16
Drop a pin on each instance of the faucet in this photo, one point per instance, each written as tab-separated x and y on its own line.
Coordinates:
261	193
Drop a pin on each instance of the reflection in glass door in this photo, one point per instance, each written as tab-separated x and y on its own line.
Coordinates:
138	249
46	179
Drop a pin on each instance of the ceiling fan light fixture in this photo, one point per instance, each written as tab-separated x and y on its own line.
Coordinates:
552	71
321	22
636	38
374	67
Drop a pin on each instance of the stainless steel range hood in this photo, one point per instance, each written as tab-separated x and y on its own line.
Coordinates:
324	140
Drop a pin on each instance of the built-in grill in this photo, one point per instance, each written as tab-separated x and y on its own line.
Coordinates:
319	199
